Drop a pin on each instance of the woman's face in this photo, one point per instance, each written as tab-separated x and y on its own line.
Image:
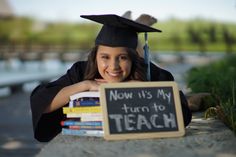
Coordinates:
114	63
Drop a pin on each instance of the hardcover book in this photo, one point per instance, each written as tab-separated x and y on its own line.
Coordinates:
90	109
87	94
95	133
78	123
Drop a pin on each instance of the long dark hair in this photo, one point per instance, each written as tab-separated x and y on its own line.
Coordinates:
138	69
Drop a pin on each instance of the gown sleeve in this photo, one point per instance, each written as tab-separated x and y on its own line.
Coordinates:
47	125
158	74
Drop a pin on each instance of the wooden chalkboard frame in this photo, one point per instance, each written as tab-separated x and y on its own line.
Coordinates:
145	135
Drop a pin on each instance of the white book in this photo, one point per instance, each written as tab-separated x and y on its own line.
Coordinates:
91	94
73	115
86	117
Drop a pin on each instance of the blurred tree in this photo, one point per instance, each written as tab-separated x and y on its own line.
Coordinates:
212	33
196	37
4	37
176	40
228	39
4	31
30	41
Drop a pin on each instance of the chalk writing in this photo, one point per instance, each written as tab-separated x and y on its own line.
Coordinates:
164	95
115	95
134	109
132	122
145	94
158	107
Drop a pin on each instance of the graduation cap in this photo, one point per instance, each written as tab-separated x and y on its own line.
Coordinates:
118	31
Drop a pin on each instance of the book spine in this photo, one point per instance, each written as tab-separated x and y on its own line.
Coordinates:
77	103
91	117
76	127
71	122
84	94
71	104
86	116
73	115
92	109
95	133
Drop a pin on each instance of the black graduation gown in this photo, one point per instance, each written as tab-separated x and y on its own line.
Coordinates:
47	125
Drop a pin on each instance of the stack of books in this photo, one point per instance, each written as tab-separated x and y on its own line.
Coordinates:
83	116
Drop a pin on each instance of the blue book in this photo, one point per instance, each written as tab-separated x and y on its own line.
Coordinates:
85	103
95	133
74	122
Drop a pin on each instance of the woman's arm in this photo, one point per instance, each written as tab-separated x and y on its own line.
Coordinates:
47	125
64	94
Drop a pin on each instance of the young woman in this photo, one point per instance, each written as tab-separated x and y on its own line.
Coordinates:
113	59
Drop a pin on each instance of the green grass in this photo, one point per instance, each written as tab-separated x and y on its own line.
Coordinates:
219	79
229	109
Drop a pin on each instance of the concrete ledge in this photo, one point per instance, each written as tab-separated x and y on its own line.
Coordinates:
205	138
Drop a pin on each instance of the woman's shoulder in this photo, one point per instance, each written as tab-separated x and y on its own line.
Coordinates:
79	64
160	74
76	71
78	67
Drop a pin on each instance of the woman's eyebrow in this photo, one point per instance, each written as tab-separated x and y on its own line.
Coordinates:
103	53
124	54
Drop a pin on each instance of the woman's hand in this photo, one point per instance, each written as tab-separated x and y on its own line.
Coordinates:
93	85
133	81
101	81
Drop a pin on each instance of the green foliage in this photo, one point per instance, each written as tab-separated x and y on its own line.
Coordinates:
209	101
177	35
216	78
219	79
15	30
228	109
194	35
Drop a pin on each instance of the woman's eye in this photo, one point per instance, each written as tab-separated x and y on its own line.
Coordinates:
104	57
123	57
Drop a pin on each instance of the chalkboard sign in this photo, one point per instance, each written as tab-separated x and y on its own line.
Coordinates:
141	110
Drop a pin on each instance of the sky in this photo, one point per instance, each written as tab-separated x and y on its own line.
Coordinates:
70	10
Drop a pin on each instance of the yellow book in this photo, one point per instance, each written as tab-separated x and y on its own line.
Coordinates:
93	109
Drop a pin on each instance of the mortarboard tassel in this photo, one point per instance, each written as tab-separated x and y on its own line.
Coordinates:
146	56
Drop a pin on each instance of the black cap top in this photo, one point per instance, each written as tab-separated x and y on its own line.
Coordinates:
118	31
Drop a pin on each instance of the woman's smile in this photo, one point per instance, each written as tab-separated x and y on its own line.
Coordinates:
114	74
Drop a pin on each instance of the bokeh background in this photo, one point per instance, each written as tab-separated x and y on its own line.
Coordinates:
41	39
187	25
